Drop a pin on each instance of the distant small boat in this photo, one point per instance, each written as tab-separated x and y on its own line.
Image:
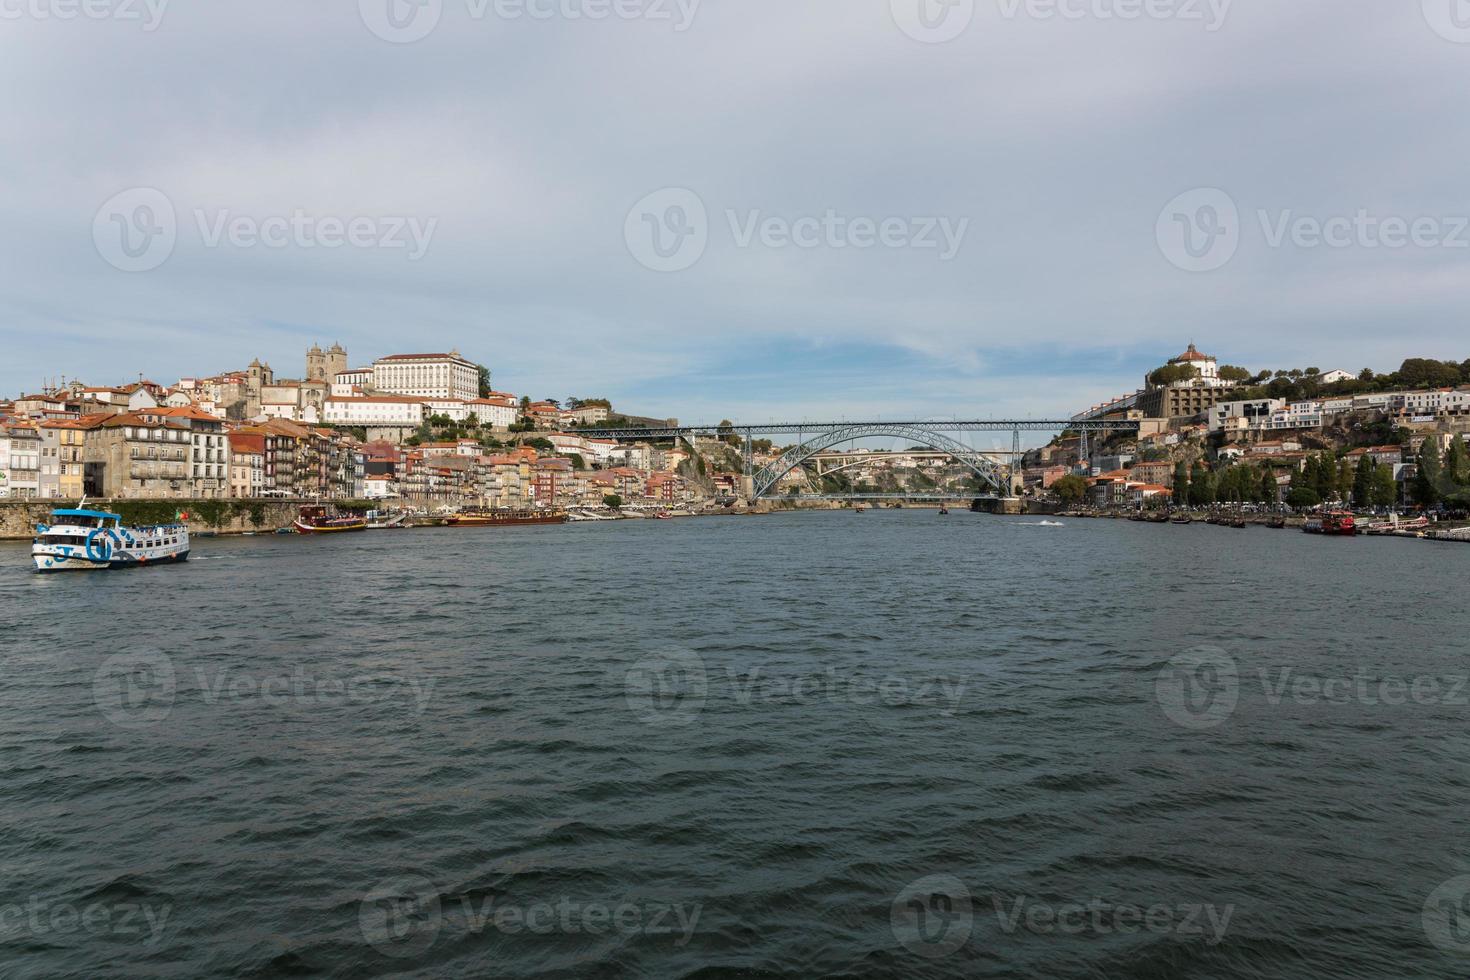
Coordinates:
943	511
859	509
1182	520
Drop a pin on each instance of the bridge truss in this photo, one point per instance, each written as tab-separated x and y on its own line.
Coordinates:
814	438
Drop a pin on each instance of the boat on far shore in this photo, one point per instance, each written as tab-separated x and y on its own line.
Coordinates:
316	519
505	518
1338	523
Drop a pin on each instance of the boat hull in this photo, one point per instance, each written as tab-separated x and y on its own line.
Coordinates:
503	520
49	563
303	528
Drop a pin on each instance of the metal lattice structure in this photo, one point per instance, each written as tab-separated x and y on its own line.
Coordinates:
825	435
766	478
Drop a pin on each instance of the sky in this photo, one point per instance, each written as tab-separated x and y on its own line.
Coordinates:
757	210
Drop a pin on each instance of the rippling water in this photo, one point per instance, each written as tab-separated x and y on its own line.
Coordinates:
894	744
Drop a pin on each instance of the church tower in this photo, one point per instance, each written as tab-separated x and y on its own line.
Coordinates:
336	362
316	364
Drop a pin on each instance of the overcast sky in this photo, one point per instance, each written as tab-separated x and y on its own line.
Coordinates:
997	193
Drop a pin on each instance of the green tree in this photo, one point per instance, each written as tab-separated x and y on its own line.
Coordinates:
1229	372
1181	484
1303	497
1426	480
1201	486
1457	462
484	384
1385	491
1270	489
1070	488
612	500
1363	481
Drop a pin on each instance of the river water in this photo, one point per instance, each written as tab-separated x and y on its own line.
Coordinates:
817	744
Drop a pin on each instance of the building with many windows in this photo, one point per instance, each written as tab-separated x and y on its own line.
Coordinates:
427	376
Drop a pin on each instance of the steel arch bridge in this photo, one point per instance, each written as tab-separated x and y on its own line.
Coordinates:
766	478
825	435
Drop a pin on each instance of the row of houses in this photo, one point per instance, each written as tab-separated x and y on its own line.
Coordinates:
174	453
1268	414
453	474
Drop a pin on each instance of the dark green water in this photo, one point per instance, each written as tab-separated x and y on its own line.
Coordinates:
894	744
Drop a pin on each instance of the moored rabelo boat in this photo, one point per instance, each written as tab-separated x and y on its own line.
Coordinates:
505	518
316	519
1340	523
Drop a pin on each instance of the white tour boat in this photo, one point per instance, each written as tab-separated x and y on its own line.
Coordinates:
92	539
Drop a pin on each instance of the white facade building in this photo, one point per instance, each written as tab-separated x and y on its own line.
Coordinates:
348	383
375	410
427	376
496	411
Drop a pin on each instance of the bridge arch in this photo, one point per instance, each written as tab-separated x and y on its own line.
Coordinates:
767	477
